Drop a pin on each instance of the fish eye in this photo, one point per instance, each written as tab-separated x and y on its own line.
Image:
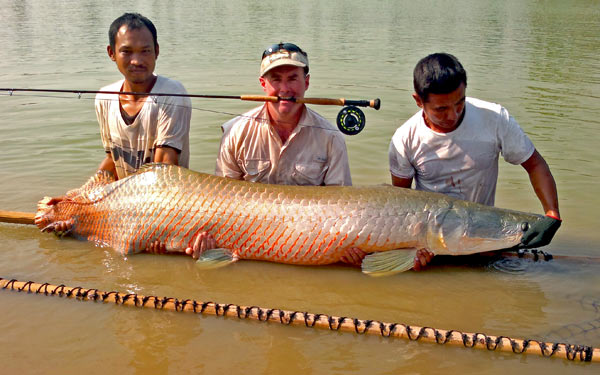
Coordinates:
524	226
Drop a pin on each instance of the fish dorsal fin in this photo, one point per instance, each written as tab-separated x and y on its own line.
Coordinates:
387	263
216	258
93	189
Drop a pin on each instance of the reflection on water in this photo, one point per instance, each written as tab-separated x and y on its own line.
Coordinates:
538	59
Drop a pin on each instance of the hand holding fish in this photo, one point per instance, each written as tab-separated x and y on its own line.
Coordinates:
204	241
353	256
540	233
422	258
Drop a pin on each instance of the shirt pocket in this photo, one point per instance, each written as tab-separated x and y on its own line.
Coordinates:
255	169
309	173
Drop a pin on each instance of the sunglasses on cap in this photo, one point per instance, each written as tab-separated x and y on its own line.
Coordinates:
290	47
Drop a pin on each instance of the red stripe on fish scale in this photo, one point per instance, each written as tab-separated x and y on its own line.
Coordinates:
314	253
221	228
84	227
295	255
342	240
194	188
215	210
187	217
190	218
231	230
144	235
200	229
172	214
322	248
160	217
282	246
246	232
271	248
257	238
260	249
146	238
326	251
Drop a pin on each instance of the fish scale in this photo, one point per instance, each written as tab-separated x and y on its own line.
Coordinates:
288	224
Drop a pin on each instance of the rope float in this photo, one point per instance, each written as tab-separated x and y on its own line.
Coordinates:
323	321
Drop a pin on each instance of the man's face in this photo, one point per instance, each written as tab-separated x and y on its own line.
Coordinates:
135	54
285	81
443	112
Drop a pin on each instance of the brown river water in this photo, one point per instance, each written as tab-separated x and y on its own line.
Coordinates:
537	58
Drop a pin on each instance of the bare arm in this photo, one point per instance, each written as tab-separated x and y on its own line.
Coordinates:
543	183
402	182
167	155
109	165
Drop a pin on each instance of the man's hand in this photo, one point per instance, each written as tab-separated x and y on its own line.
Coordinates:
59	228
156	247
541	232
204	241
353	256
55	200
422	258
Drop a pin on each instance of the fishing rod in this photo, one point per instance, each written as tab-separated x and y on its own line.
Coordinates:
350	120
27	218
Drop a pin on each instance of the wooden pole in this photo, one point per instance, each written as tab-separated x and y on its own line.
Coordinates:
322	321
17	217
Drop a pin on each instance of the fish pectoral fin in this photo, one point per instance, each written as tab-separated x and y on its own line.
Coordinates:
387	263
216	258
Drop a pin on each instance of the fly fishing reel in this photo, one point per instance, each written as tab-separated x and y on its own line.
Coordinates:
351	120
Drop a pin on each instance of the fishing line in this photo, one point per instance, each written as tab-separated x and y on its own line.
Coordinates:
477	340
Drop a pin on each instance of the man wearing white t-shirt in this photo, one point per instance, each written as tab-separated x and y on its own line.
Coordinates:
452	145
139	129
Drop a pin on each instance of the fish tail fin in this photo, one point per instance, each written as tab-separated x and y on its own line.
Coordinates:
216	258
387	263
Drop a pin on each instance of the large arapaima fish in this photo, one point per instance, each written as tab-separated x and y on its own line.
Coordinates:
308	225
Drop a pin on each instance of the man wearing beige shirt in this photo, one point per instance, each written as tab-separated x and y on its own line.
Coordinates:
285	142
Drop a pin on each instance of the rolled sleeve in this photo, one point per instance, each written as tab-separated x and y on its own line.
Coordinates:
338	172
227	165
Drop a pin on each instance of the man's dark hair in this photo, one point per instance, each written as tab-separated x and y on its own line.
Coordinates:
438	73
132	21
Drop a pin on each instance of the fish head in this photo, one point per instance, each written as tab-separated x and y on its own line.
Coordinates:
478	228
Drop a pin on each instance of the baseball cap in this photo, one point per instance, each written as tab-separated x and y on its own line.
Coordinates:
282	54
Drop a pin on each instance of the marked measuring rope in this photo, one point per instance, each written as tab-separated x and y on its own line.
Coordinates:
323	321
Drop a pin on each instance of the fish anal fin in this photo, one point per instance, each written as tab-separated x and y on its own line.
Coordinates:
390	262
216	258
